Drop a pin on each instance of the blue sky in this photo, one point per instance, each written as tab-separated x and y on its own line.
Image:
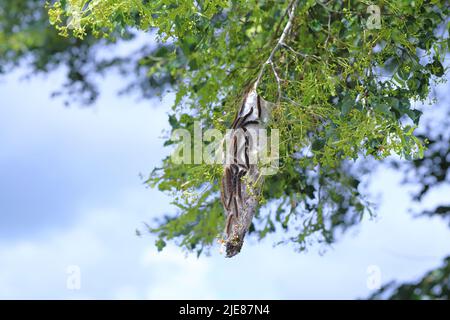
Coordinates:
70	194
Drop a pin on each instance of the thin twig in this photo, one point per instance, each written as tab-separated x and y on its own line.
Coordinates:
301	54
277	77
329	31
291	9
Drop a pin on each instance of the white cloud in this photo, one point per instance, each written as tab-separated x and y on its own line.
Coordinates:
114	263
102	151
180	276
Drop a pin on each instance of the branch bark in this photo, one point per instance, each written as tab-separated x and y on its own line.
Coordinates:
242	180
291	10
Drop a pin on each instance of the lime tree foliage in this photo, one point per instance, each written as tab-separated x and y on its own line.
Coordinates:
429	174
28	40
344	89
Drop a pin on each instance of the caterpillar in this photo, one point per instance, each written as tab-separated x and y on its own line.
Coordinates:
241	181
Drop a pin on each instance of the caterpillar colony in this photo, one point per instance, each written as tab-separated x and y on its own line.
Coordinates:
242	177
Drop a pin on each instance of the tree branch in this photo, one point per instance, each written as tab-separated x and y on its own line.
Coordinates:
291	10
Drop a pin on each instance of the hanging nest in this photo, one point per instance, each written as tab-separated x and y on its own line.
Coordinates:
242	178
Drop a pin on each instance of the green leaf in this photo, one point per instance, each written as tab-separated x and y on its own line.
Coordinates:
436	68
160	244
347	104
315	25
